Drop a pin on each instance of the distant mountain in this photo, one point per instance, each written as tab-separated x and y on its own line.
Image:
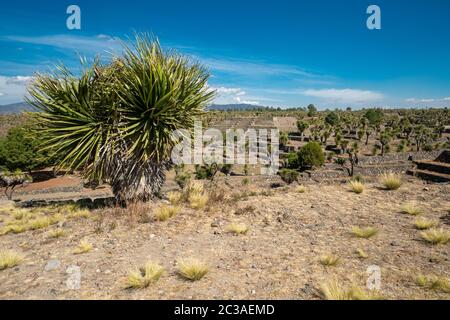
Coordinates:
15	107
238	106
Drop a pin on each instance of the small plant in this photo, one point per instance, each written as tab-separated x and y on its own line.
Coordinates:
182	179
329	260
192	269
146	275
362	254
357	177
174	197
365	232
300	189
83	247
411	209
424	223
356	186
333	290
9	259
80	214
245	181
164	212
198	201
390	181
237	228
436	236
435	283
56	233
288	175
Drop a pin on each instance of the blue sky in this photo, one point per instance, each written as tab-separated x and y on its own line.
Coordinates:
276	53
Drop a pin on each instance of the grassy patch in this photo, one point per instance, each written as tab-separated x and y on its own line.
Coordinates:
237	228
364	232
436	236
164	212
9	259
56	233
432	282
300	189
333	290
411	209
329	260
424	223
146	275
83	247
356	186
198	201
391	181
192	269
175	197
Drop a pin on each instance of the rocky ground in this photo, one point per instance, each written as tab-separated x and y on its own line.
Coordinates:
276	259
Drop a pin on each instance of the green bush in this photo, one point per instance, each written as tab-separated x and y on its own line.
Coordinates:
19	150
182	178
288	175
311	155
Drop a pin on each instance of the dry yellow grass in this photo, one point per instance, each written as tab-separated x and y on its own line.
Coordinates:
329	260
237	228
142	278
333	290
56	233
83	247
424	223
356	186
300	189
436	236
174	197
440	284
365	232
9	259
198	201
192	269
362	254
390	181
411	209
164	212
80	214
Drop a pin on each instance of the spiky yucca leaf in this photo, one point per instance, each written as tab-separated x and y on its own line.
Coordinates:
115	121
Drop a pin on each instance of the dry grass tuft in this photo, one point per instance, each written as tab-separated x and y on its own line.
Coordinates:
237	228
365	232
424	223
175	197
83	247
198	201
192	269
435	283
300	189
333	290
411	209
362	254
390	181
436	236
56	233
164	212
356	186
329	260
146	275
9	259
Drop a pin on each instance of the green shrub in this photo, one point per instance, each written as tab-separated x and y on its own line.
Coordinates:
182	178
311	155
288	175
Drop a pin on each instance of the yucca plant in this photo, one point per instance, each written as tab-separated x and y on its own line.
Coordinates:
114	122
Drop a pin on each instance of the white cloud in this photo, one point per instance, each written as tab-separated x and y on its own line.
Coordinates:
344	95
425	100
13	89
225	95
83	44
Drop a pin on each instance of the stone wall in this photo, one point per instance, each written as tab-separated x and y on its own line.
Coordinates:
400	156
